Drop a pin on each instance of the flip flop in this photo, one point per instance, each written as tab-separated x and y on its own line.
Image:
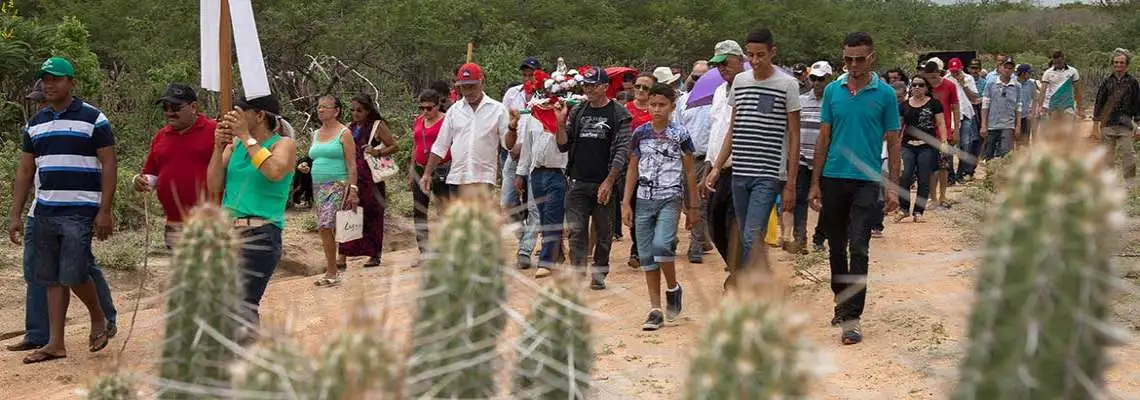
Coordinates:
98	342
41	356
23	346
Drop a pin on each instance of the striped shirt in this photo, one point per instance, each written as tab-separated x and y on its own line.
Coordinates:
809	127
68	178
760	133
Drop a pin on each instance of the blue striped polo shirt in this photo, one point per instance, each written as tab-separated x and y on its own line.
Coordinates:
68	175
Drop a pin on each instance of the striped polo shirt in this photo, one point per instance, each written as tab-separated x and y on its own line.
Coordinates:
809	127
68	178
760	133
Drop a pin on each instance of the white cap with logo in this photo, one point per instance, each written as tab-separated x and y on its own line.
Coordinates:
821	68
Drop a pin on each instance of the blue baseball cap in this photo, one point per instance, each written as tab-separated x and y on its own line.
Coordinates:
530	62
1024	68
595	75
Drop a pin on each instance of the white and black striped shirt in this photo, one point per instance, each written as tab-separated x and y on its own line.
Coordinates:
760	134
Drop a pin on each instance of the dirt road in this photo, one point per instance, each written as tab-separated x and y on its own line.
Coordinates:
919	298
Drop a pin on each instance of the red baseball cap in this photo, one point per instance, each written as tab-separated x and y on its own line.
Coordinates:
955	65
469	74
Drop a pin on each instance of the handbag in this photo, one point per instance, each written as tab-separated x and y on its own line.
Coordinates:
383	167
349	225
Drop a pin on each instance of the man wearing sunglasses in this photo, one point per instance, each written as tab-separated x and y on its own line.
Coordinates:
175	167
1001	112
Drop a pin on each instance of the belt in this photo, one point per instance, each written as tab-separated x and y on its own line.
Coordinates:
536	169
250	222
700	158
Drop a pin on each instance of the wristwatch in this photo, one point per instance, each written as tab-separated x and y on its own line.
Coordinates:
251	141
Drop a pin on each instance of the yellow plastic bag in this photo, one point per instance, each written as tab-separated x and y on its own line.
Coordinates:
772	237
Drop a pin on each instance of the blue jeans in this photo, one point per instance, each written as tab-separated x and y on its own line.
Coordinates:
753	199
916	160
526	234
998	143
970	142
36	310
655	222
549	189
258	256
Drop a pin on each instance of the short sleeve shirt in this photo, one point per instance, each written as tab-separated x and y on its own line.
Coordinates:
1060	87
68	178
760	134
659	172
858	122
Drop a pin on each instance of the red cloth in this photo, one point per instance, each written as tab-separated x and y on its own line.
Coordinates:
180	161
425	137
640	117
947	94
546	117
373	199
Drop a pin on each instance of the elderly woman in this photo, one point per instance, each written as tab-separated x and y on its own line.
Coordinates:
334	180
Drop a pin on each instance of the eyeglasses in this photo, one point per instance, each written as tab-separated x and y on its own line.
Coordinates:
324	107
172	107
642	87
426	108
857	59
917	85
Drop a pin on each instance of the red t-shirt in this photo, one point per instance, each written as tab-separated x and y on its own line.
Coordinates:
425	137
180	161
947	94
640	117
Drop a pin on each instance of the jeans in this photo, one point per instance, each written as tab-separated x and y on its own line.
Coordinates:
258	256
800	216
582	206
920	161
698	235
511	198
970	142
549	189
753	199
656	225
442	192
848	204
721	220
998	143
36	323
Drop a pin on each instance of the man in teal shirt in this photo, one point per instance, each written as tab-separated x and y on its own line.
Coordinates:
859	111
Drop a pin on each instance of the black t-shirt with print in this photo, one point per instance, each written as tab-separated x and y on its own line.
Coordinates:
592	135
920	117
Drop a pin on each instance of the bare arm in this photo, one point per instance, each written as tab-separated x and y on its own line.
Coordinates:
821	147
939	125
385	136
792	153
631	175
283	160
110	177
25	175
687	165
894	160
349	147
216	171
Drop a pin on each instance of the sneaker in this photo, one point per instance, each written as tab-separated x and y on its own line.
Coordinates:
673	302
918	218
851	332
542	272
524	262
653	321
696	258
373	261
597	281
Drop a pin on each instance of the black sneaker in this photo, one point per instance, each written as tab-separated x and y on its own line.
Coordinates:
653	321
673	303
597	281
524	262
819	247
696	258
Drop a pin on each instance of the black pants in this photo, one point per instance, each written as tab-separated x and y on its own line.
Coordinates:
721	220
582	206
442	192
848	204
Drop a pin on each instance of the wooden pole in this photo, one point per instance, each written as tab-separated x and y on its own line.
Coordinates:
226	60
470	51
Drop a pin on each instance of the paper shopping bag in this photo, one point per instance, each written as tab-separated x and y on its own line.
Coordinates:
349	225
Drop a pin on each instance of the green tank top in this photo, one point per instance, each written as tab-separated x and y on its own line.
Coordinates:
328	159
248	193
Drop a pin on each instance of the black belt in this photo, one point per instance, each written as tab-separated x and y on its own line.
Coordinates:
558	170
700	158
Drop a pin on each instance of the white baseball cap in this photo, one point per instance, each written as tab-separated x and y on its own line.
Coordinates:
665	75
821	68
936	60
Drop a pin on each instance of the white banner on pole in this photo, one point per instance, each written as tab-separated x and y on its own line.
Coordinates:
210	28
250	62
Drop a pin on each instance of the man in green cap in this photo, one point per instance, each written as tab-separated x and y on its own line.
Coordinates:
68	152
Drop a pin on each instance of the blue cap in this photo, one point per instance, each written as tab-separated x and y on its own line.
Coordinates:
530	62
595	75
1024	68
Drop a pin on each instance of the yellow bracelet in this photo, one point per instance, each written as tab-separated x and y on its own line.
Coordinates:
260	157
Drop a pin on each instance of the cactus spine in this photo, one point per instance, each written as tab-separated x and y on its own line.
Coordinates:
554	351
460	308
112	387
204	300
356	363
273	369
1040	323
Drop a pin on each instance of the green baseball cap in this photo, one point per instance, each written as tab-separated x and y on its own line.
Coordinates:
57	66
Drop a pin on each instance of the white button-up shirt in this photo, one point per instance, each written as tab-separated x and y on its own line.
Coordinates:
474	136
515	98
696	121
720	117
539	148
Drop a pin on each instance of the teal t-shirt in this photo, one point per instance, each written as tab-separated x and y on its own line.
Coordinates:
328	159
858	122
249	193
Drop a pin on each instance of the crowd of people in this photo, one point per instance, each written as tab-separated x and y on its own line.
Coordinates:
763	141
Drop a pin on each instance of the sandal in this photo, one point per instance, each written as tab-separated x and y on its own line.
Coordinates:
372	262
98	342
41	356
327	281
341	267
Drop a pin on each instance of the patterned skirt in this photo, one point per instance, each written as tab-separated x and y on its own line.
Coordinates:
329	199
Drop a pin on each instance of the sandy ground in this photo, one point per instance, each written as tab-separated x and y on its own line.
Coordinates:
919	298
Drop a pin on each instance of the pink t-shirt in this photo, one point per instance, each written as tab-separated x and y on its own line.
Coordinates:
424	137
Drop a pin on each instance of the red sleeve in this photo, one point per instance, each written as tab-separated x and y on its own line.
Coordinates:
954	94
150	166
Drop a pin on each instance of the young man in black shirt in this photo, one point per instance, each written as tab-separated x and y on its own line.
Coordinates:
596	135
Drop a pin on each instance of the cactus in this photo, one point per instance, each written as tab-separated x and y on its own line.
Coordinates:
112	387
1040	323
273	369
554	350
202	305
460	308
356	364
752	349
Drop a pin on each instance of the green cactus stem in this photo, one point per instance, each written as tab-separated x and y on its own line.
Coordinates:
203	302
1040	323
356	365
460	308
112	387
274	369
554	351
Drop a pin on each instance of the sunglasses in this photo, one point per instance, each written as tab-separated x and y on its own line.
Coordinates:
172	107
814	78
426	108
642	87
917	85
857	59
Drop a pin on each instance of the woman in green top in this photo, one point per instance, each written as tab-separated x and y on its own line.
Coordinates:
334	165
252	169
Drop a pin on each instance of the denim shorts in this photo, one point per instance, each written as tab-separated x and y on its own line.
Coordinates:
63	249
655	222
